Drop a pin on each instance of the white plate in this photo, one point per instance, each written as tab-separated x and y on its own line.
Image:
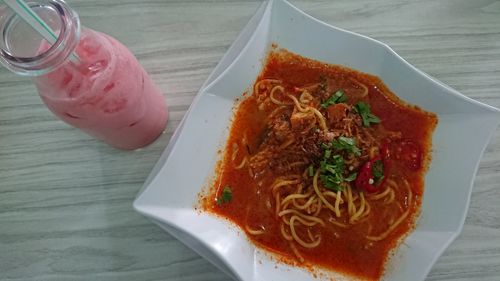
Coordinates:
170	192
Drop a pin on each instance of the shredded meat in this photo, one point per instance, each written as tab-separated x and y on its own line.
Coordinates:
337	112
290	142
300	121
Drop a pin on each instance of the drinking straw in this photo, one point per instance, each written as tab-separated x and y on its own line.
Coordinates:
24	11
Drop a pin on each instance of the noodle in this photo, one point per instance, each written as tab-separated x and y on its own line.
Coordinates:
275	100
302	216
255	231
242	164
398	221
293	197
258	85
334	222
320	117
362	86
299	240
320	195
284	233
296	252
305	97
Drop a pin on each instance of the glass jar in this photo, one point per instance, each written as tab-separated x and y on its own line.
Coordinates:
104	91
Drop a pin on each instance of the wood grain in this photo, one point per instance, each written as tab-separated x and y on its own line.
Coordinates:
66	199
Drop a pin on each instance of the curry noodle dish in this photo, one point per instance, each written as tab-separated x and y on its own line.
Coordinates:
324	166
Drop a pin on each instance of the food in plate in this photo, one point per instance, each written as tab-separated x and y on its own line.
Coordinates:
323	166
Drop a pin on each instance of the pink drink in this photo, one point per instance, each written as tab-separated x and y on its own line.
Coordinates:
108	94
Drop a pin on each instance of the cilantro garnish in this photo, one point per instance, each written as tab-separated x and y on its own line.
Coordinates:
378	170
226	196
333	173
338	97
364	111
351	177
347	144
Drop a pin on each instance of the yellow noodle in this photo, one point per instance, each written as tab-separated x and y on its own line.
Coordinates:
391	198
242	164
321	197
255	231
334	222
277	199
393	226
305	205
311	237
297	103
301	220
367	210
302	216
297	239
399	206
294	196
276	110
305	97
280	182
250	172
275	100
365	89
360	211
296	252
350	202
334	195
377	196
322	120
337	204
284	233
256	88
308	87
300	187
318	208
236	148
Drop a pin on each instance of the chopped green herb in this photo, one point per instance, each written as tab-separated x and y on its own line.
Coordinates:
364	111
338	97
327	154
310	170
351	177
331	170
333	173
226	196
378	170
347	144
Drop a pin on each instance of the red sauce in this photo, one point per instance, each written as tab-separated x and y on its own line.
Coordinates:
342	249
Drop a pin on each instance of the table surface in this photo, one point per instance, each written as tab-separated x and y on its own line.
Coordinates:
66	199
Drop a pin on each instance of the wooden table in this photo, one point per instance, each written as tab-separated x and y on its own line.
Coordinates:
66	199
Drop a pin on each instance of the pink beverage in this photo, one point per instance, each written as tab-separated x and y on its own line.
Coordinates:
108	94
105	92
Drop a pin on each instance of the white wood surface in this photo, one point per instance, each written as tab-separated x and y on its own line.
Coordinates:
66	199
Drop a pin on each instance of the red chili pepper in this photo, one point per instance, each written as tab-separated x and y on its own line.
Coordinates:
365	179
